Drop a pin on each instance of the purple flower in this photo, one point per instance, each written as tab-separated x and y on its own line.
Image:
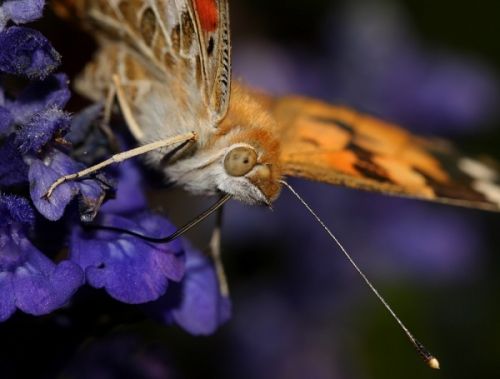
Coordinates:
20	11
5	120
132	270
14	209
129	268
196	303
39	97
34	154
129	197
13	169
42	129
39	119
27	52
29	154
30	125
29	281
43	173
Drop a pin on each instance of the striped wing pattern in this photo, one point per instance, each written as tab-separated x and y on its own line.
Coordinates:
337	145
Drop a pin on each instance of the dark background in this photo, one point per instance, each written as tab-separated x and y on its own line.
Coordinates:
299	310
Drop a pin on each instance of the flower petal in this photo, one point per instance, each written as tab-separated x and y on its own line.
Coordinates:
13	170
27	52
20	11
53	92
15	209
41	292
82	122
129	197
7	299
42	129
43	174
29	279
129	268
196	303
5	120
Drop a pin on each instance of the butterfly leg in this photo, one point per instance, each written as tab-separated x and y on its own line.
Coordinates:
117	90
106	118
132	124
191	136
215	254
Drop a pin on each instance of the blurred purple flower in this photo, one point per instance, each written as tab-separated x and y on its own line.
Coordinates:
419	240
273	339
380	67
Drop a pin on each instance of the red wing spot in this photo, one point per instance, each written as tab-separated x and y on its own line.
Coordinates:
208	14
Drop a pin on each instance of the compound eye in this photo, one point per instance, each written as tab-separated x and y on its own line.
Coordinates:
240	161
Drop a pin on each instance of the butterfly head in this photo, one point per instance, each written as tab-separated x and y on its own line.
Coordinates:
240	157
251	160
251	174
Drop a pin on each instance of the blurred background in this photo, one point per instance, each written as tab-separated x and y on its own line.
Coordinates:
299	309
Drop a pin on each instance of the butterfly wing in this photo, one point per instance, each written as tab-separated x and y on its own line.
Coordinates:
340	146
212	19
184	44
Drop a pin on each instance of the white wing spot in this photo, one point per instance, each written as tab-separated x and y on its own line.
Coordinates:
488	189
477	169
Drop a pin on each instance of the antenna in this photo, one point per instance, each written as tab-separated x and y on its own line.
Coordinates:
429	359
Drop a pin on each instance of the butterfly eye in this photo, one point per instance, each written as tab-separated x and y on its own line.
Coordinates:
240	161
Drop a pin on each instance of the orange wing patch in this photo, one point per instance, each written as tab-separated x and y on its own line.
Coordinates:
207	12
340	146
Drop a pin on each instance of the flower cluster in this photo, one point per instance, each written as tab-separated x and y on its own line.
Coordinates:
46	250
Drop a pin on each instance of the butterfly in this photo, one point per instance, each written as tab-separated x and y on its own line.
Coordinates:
168	62
172	60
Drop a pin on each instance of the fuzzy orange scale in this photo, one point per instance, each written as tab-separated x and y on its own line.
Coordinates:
257	128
